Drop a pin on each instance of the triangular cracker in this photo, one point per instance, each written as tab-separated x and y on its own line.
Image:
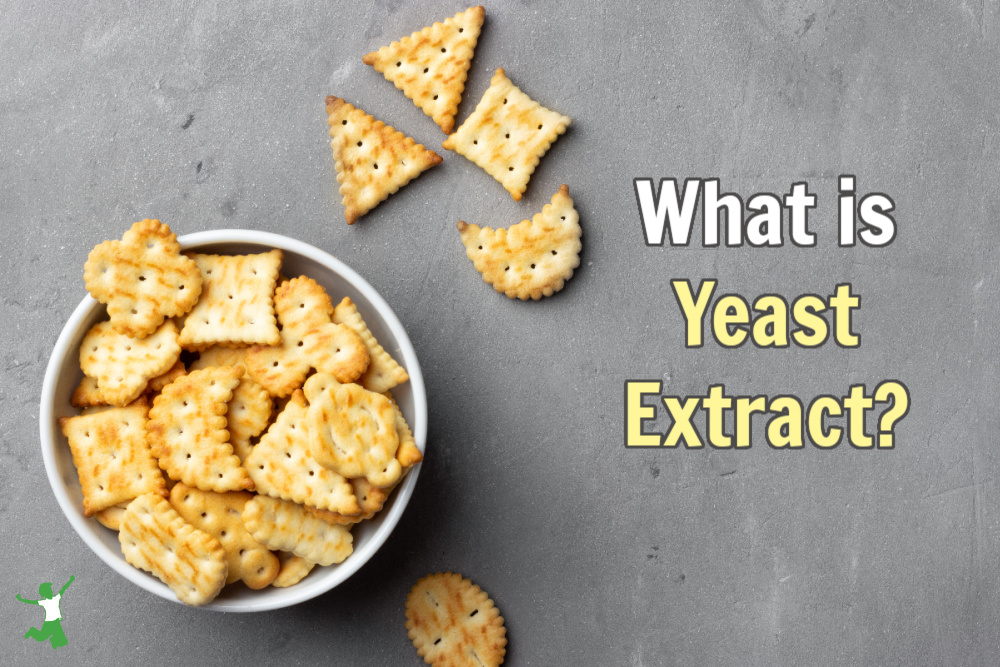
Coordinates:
507	134
383	373
309	339
430	66
236	304
187	430
143	278
112	456
123	365
282	466
533	258
373	159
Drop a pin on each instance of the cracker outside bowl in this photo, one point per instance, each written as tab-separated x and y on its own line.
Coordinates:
63	374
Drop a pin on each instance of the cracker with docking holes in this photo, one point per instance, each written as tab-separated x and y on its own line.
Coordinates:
309	339
143	278
285	526
187	430
123	366
507	134
374	160
293	570
155	538
112	456
453	623
220	515
237	301
248	415
430	66
533	258
353	431
282	466
383	372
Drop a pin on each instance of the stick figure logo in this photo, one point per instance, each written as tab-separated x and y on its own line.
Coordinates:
51	628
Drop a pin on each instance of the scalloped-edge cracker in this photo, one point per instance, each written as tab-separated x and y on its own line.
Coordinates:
373	160
248	415
112	456
453	622
285	526
123	366
293	569
236	305
507	134
157	384
282	466
220	515
87	394
383	372
216	355
309	339
187	431
533	258
408	454
353	431
143	278
430	66
370	500
155	538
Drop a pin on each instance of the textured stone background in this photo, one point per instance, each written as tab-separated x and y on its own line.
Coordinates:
210	115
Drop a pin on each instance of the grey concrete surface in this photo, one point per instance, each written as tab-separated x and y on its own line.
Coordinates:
210	115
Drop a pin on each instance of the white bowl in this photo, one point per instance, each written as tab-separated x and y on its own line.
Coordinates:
63	374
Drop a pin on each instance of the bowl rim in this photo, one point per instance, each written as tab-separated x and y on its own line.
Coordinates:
294	594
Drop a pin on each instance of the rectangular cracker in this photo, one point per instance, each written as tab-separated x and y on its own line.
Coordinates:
285	526
507	134
237	301
156	539
112	456
220	515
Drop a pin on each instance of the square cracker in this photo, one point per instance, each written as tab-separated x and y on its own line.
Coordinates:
282	466
220	515
155	538
285	526
507	134
373	160
187	431
430	66
143	278
383	372
112	456
237	301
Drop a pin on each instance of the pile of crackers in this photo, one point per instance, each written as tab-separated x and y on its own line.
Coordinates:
235	424
506	135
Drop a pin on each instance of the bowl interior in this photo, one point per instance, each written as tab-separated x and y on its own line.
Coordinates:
63	374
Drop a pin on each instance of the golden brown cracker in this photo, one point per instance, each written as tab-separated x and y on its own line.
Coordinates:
383	372
248	415
453	623
122	365
155	538
160	381
353	432
430	66
87	394
220	515
187	430
370	499
217	355
408	454
143	278
309	339
293	569
374	160
533	258
111	517
112	456
285	526
507	134
282	465
237	301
